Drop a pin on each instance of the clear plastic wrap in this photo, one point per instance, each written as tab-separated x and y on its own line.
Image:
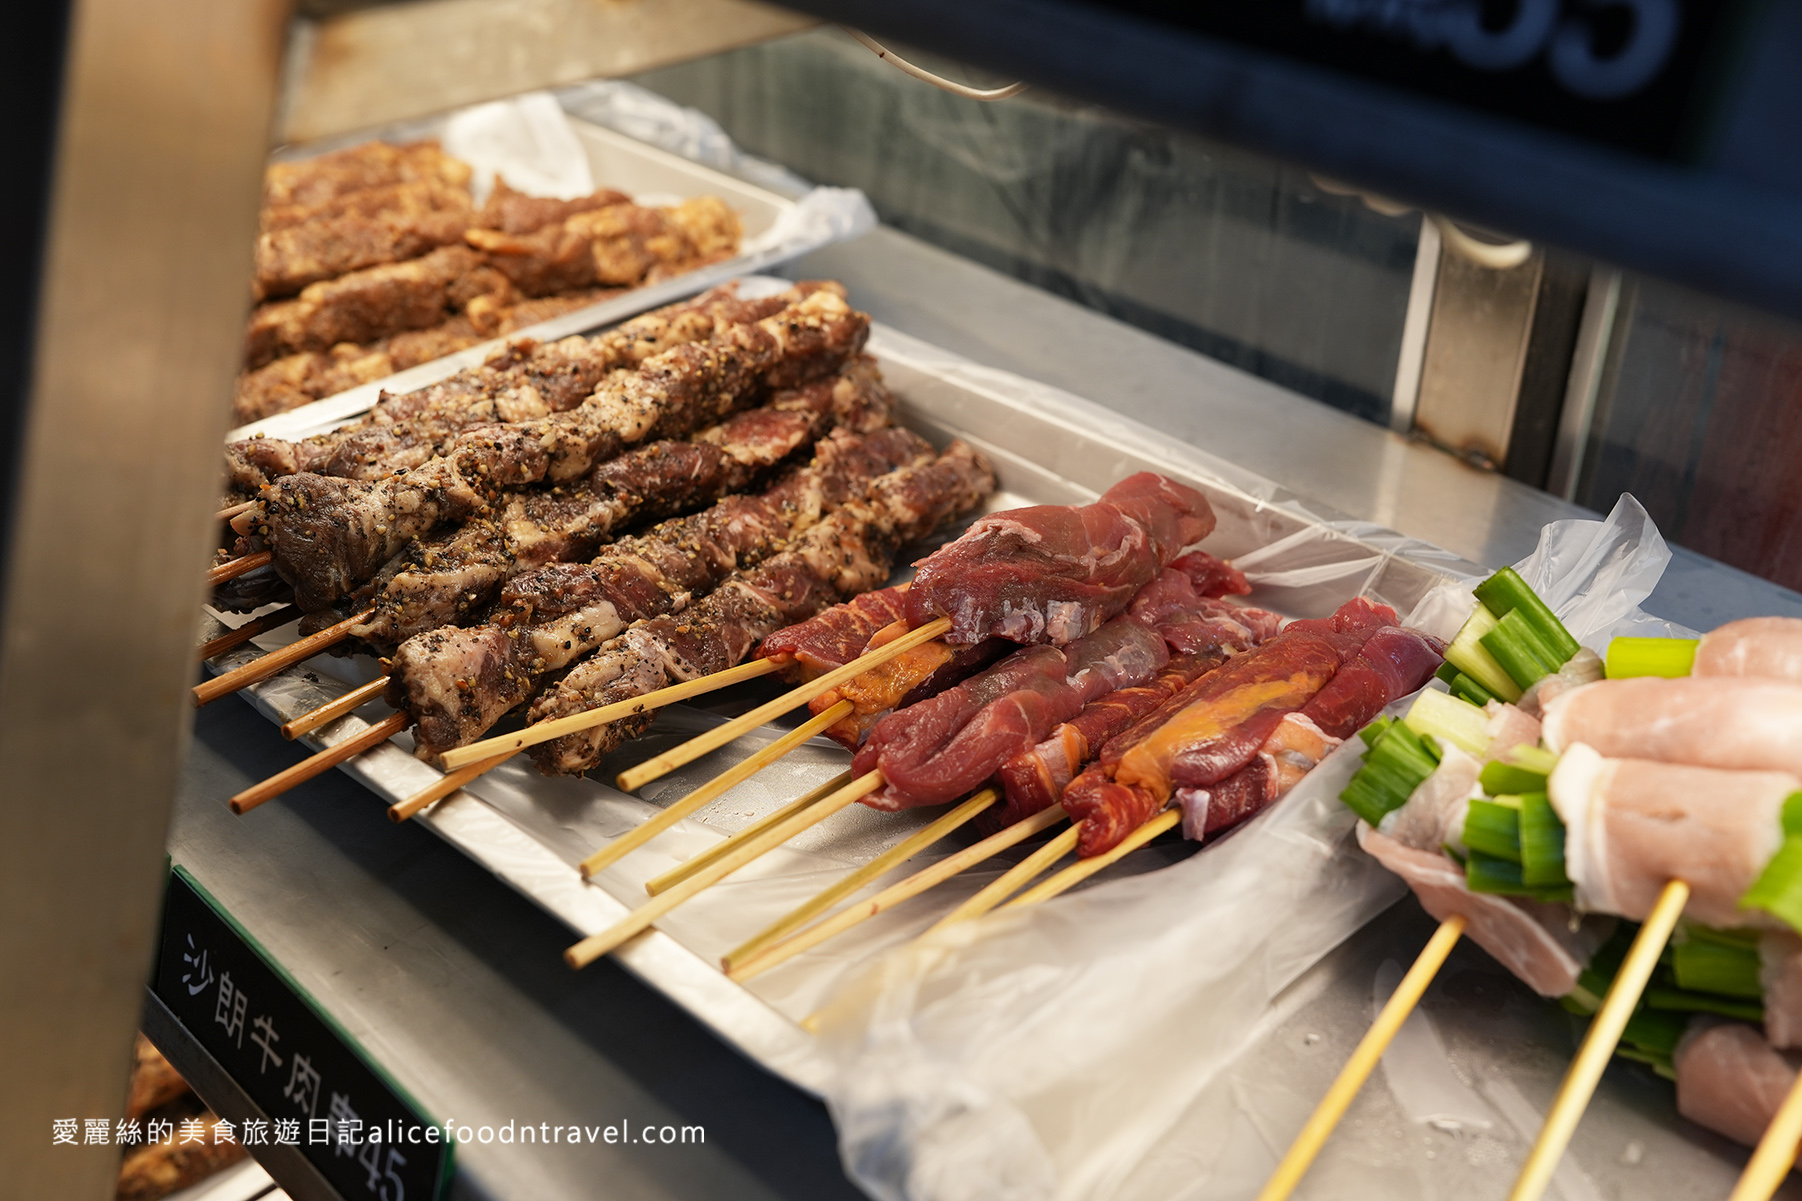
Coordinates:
1042	1053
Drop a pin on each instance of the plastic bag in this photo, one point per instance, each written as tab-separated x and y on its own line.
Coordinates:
1042	1053
525	141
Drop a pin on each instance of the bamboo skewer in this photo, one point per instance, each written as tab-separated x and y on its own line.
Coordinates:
306	723
247	631
261	669
874	869
1082	869
736	774
231	511
724	846
1598	1045
307	768
595	945
1776	1151
557	727
1012	880
668	761
231	569
1363	1061
400	811
896	893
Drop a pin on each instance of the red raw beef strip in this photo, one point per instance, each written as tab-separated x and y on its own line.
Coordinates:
1054	573
941	748
838	635
1393	662
1211	576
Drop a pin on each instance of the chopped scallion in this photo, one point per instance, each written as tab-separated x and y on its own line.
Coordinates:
1505	592
1778	889
1668	657
1541	843
1466	653
1444	716
1679	1000
1501	779
1522	655
1708	965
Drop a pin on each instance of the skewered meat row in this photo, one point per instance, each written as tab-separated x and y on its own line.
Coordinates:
300	246
851	551
619	246
517	383
321	178
330	535
458	682
444	578
1052	573
301	378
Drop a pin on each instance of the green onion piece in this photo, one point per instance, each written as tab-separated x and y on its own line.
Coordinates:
1507	779
1489	873
1374	730
1446	673
1541	843
1466	653
1493	830
1394	766
1505	592
1658	1063
1467	689
1532	758
1778	889
1446	717
1669	657
1707	965
1678	1000
1792	813
1521	654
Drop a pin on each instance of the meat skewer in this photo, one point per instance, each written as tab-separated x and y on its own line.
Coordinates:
231	569
247	631
636	577
1637	876
1047	573
521	381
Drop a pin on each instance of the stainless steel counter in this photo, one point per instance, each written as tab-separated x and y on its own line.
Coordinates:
455	984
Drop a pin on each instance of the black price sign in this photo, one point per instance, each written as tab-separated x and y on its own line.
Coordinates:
1641	75
321	1093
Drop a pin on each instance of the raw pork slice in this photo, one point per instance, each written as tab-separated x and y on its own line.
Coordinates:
1744	724
1757	646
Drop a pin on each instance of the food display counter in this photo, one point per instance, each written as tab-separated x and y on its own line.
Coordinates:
451	981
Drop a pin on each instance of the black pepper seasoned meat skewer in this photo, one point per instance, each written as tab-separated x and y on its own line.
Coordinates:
849	552
445	578
331	535
458	682
518	382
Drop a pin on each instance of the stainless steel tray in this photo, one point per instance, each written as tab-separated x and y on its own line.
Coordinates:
1048	447
642	171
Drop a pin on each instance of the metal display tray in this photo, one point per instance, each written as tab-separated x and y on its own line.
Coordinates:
1047	447
616	161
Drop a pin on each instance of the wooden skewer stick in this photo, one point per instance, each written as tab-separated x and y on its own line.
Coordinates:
736	774
1776	1151
587	719
231	511
1363	1061
231	569
307	768
247	631
261	669
670	760
306	723
1082	869
596	945
1012	880
1598	1045
875	868
724	846
896	893
400	811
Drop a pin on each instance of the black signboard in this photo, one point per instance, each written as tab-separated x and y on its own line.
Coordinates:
1641	75
321	1092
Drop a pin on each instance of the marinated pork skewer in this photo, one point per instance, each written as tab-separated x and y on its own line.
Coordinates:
434	678
331	535
250	629
231	569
